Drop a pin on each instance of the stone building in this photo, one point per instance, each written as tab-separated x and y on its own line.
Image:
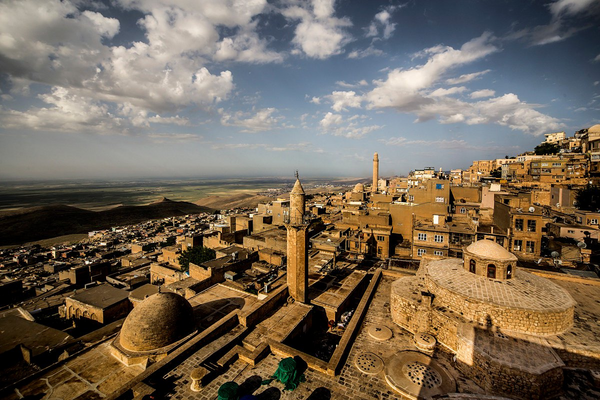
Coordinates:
492	315
103	304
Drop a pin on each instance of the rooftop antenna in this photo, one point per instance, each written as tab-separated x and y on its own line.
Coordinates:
296	174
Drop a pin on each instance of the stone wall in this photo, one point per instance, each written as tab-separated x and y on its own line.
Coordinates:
534	322
511	382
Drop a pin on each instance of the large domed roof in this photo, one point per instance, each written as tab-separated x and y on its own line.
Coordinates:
158	321
359	187
491	250
594	129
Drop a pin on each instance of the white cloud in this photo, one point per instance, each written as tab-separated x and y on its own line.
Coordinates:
319	34
401	89
444	144
352	85
570	7
330	120
382	21
478	94
342	100
466	77
446	92
246	46
315	100
369	51
334	124
174	137
409	91
66	112
597	58
562	25
176	120
261	120
53	43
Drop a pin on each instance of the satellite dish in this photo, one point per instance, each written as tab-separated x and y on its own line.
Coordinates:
555	254
581	245
531	209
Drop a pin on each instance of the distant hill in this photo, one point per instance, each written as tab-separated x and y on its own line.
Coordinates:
35	223
244	200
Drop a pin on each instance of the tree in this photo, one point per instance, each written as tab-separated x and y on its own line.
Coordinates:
588	198
546	148
196	255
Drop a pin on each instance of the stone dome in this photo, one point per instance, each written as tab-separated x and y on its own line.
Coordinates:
359	187
490	250
159	321
594	129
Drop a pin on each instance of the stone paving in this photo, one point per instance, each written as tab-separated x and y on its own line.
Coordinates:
524	290
351	383
92	375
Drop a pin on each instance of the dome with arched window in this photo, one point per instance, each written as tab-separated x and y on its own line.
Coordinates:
489	259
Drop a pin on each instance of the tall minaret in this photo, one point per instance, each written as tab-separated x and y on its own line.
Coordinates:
297	246
375	172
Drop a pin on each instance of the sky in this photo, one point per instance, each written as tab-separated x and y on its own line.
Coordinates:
234	88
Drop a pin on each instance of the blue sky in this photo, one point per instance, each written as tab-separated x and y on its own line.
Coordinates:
209	88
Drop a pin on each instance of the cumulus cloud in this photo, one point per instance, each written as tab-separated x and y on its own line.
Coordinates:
382	22
334	124
478	94
466	77
319	34
411	91
258	121
66	112
401	89
56	44
342	100
447	92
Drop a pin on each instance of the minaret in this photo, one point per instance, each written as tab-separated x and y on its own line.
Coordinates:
297	246
375	172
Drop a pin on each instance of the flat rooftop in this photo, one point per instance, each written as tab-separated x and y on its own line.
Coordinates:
102	296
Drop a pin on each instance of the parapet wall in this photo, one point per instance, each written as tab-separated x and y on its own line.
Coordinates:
533	322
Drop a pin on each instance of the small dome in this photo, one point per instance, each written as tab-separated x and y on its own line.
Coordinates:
158	321
594	129
491	250
297	188
359	187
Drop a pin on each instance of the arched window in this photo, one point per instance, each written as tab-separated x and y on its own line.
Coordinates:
491	271
509	272
472	266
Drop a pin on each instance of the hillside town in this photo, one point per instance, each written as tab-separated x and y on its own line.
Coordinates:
357	286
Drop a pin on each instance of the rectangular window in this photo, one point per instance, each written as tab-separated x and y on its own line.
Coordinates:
531	225
438	238
593	221
530	247
411	197
420	252
517	245
438	252
518	224
556	164
440	200
422	236
380	238
439	186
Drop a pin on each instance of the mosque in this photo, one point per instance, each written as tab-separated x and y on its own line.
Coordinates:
457	328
